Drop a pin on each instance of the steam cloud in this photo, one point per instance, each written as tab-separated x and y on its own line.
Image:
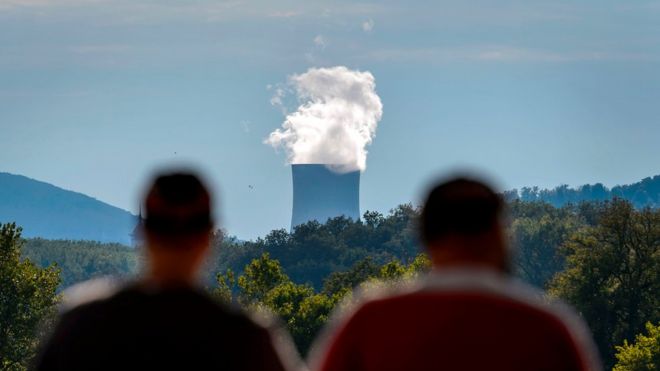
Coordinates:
336	120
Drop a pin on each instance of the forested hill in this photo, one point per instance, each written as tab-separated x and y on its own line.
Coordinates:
641	194
44	210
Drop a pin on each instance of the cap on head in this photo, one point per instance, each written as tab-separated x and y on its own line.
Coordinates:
459	207
177	205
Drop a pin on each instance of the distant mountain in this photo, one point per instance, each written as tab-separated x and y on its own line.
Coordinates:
644	193
44	210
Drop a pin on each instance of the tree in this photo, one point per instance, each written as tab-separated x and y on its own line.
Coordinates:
265	285
360	272
312	315
303	311
259	277
27	297
392	271
643	355
538	256
226	284
612	274
421	264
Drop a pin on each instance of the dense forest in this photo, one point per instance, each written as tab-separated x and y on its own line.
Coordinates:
601	257
81	260
313	250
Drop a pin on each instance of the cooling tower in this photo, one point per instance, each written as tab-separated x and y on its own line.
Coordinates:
319	194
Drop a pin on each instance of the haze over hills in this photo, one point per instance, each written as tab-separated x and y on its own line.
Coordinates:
50	212
47	211
641	194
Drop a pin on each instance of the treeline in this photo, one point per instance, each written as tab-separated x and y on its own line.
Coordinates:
309	254
313	250
81	260
645	193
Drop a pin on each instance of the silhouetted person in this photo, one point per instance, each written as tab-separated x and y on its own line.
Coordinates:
468	313
163	321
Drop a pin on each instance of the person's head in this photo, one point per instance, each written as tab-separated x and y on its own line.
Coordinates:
177	225
461	224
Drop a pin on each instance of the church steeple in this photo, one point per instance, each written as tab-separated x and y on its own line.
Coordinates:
136	236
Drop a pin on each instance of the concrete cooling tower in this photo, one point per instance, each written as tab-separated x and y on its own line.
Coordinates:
319	194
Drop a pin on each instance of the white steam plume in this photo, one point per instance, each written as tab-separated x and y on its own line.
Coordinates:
335	122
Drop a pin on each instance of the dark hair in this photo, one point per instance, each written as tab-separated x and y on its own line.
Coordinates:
460	206
177	204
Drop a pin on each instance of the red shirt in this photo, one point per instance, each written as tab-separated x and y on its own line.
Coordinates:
460	320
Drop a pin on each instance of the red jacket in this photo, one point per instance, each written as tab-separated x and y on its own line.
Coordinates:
459	320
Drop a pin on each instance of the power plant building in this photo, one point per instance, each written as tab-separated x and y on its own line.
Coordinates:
320	193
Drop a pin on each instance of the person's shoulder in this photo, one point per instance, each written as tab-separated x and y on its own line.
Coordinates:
495	286
266	334
483	291
113	297
352	313
87	300
557	316
236	315
452	286
88	292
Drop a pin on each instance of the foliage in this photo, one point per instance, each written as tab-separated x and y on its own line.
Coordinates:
81	260
264	285
313	250
538	230
260	277
27	298
643	355
362	271
225	285
612	274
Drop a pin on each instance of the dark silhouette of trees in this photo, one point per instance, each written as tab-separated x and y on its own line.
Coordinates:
645	193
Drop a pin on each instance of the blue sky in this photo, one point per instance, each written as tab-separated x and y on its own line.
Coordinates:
96	94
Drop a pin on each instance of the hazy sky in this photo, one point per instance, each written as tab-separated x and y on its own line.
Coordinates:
95	94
